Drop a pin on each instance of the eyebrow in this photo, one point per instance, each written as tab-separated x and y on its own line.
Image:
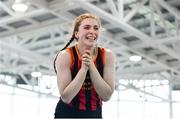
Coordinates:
90	25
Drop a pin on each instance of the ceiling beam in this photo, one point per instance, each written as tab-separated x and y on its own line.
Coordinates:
129	29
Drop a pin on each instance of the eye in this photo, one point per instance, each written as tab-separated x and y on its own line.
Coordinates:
96	28
86	27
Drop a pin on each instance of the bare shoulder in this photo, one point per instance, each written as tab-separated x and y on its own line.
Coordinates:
110	55
63	58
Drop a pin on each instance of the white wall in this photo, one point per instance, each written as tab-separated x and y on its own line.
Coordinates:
27	105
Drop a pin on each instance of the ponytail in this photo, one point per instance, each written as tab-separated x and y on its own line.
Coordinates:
70	41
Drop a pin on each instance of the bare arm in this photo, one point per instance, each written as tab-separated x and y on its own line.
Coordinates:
104	86
68	88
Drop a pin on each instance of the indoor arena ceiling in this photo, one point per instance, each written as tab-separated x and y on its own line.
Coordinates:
149	28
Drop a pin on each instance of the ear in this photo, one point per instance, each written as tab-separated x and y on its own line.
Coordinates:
76	34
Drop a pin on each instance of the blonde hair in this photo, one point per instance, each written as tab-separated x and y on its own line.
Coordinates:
77	23
79	19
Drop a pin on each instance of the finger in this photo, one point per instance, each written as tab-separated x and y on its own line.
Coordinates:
86	62
86	56
86	59
87	52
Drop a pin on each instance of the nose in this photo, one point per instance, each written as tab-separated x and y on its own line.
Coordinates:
92	30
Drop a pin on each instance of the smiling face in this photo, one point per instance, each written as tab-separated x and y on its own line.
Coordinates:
88	32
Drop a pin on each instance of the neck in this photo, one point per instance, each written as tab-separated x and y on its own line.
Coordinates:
83	48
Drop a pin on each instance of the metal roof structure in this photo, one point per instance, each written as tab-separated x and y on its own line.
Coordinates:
149	28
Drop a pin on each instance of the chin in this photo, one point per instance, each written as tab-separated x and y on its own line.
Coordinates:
91	44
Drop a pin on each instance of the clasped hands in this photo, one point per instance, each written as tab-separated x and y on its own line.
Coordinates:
87	59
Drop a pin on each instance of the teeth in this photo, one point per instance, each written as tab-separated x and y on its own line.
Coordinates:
91	38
